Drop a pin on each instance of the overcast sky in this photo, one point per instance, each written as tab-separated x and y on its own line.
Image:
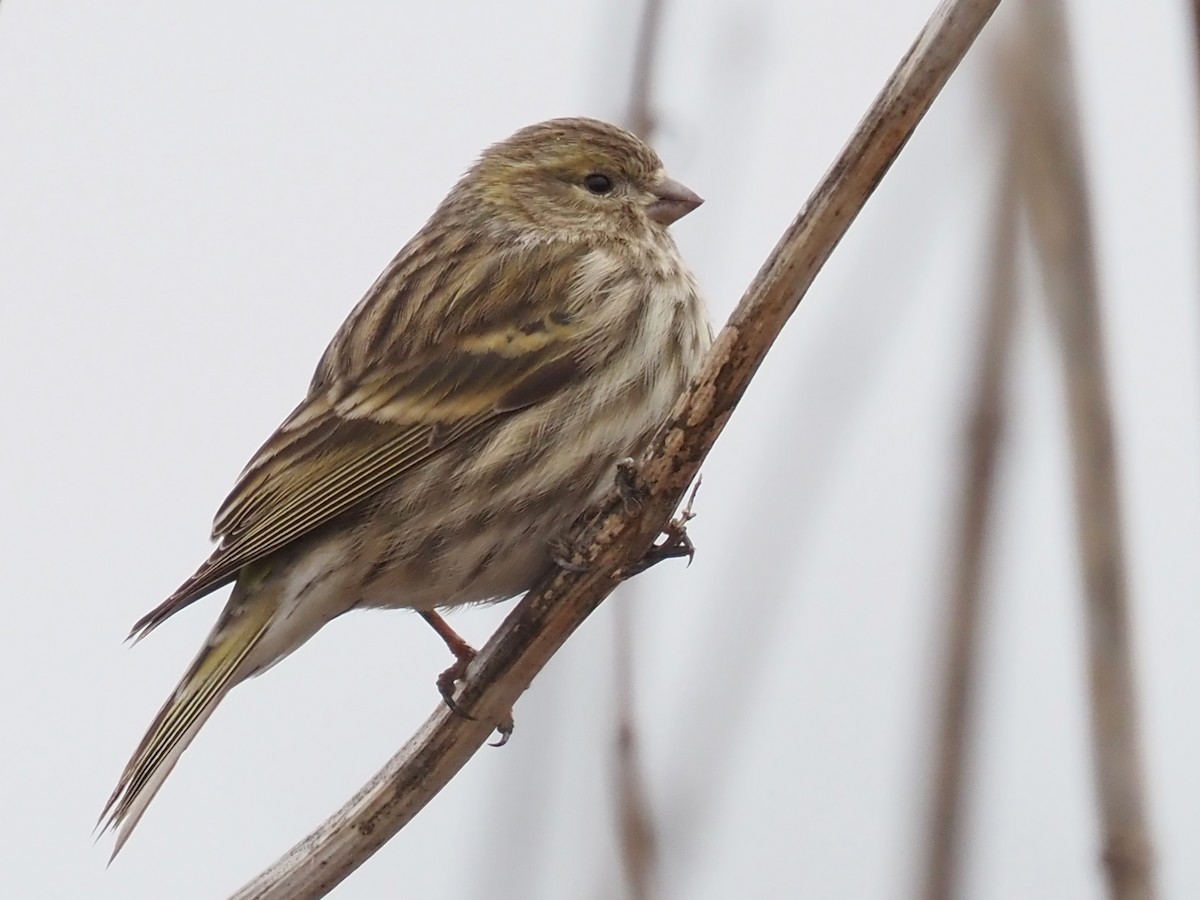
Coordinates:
192	197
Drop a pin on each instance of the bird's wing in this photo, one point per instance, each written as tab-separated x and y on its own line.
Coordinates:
344	443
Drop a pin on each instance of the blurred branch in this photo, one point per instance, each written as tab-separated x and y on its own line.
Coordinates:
1196	50
1196	34
638	842
984	431
617	536
635	825
1055	193
639	117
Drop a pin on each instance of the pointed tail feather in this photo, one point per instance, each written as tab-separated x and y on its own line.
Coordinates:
217	668
208	578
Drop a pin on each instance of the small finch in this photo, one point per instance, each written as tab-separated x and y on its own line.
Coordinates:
477	400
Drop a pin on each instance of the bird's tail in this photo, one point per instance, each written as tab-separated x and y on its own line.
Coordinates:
221	664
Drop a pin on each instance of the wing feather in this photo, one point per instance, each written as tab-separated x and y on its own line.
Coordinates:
346	442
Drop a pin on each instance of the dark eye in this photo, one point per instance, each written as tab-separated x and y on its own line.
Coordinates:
598	183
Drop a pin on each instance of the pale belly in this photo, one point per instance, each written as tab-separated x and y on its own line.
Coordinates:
480	528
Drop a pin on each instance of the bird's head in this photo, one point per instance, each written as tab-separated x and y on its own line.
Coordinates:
577	179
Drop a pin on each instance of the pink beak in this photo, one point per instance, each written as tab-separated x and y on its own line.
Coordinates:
674	202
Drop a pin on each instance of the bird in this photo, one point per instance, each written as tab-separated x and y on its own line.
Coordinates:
479	397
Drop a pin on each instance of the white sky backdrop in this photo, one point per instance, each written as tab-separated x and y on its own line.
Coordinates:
193	195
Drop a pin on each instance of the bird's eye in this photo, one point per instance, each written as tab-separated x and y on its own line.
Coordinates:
598	183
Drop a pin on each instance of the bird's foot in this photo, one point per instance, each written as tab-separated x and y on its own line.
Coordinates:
448	681
675	543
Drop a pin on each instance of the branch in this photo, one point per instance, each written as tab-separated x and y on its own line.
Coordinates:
1055	193
617	537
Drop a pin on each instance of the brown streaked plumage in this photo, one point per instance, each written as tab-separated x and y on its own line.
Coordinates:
534	332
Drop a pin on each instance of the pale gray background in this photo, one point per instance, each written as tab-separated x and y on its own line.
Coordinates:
194	194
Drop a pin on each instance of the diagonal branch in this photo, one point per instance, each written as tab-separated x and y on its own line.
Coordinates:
616	537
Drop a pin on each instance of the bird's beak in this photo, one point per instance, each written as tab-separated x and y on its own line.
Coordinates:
674	202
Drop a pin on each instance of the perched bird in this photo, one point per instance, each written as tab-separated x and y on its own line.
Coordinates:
532	334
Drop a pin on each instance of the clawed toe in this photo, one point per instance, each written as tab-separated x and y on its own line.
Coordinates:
504	728
675	547
448	680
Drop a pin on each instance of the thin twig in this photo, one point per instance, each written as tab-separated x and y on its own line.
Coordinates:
1055	193
984	432
617	537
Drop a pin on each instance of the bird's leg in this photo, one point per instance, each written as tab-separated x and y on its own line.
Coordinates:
463	654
